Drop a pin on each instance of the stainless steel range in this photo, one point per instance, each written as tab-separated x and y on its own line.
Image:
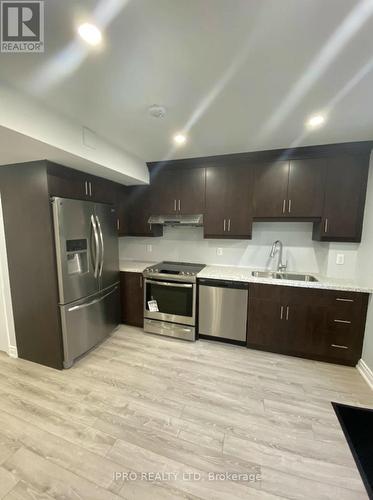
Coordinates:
170	299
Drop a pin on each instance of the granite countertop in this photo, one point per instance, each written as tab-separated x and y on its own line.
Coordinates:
235	273
134	266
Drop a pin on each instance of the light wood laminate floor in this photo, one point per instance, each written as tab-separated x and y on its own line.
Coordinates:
145	404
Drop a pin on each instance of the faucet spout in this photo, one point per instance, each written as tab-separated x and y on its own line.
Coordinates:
277	248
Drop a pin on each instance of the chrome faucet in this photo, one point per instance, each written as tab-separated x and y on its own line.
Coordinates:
278	247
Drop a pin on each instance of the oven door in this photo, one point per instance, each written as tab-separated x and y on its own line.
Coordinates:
176	301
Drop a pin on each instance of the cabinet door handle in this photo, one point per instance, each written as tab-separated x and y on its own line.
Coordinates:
229	225
118	224
287	313
283	206
86	188
175	205
339	346
179	205
224	225
140	279
90	188
342	321
289	209
282	312
326	225
344	300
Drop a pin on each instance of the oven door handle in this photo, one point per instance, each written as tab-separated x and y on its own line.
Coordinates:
166	283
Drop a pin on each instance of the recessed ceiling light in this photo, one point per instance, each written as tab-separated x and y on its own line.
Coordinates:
180	139
315	121
90	33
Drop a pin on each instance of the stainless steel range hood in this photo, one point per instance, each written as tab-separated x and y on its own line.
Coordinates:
176	220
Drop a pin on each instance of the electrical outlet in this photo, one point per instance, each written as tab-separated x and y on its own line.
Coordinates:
219	251
149	248
340	260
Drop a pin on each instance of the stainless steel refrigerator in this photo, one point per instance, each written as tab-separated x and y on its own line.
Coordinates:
88	273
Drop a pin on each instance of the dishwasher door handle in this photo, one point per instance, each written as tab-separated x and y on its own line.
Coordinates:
236	285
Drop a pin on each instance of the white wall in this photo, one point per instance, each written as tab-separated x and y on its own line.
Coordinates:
7	332
28	117
302	253
3	323
364	267
348	269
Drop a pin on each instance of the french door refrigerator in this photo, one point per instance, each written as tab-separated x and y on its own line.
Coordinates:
88	273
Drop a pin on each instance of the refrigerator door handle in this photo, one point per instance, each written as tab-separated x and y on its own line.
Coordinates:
95	301
96	261
102	246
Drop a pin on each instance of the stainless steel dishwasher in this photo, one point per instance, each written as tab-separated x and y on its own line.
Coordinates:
223	309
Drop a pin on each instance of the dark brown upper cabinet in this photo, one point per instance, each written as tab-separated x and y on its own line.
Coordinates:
123	210
103	190
192	191
69	183
140	207
165	191
229	211
291	189
178	191
270	189
305	193
345	191
324	184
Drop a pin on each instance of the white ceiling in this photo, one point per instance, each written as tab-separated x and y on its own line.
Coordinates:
241	75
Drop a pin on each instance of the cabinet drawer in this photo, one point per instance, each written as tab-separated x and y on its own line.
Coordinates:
342	334
345	297
346	302
345	311
345	320
340	352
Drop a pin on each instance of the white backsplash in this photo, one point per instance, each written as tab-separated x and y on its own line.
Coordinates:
302	253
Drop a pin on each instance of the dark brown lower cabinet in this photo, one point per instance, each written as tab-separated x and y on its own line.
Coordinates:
132	298
265	310
318	324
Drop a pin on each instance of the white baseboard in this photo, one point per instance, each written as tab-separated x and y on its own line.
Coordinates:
365	372
12	351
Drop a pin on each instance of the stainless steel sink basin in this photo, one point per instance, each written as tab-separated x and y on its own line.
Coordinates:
284	276
297	277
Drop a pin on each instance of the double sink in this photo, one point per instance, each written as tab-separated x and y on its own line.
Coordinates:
283	276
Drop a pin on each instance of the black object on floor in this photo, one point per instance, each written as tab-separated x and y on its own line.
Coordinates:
357	425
